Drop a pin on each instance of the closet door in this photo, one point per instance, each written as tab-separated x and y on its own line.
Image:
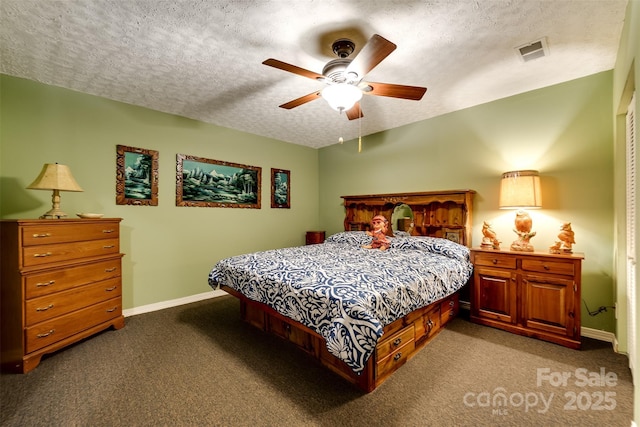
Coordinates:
631	232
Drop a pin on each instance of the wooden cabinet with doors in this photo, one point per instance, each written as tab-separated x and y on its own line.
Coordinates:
528	293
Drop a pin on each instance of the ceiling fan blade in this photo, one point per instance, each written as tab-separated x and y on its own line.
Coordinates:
293	69
371	54
414	93
302	100
355	112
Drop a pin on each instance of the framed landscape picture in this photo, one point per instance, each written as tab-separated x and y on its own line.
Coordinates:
280	188
214	183
136	176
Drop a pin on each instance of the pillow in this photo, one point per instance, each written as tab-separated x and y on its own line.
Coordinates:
433	244
354	238
401	234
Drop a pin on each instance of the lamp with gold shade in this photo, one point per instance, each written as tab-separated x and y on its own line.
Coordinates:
520	190
57	178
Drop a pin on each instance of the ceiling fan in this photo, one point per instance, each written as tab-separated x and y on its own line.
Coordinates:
344	77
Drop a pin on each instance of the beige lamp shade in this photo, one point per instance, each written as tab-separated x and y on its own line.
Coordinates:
57	178
520	189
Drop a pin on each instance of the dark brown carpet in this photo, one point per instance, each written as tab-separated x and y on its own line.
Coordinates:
199	364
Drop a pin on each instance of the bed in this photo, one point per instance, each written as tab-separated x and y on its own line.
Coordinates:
361	312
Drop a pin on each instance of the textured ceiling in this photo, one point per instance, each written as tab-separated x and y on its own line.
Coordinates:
203	59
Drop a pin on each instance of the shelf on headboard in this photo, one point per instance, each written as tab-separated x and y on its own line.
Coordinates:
445	214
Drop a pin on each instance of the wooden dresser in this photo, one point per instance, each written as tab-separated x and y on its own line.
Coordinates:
61	282
528	293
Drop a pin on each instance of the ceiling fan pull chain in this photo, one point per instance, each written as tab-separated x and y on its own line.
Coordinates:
360	129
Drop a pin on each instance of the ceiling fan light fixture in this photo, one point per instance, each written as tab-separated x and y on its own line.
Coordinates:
342	96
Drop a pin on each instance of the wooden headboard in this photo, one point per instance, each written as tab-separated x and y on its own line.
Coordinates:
444	214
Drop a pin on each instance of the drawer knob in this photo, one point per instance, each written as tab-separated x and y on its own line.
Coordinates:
397	356
494	261
44	308
546	267
46	334
42	284
111	310
397	341
451	303
44	255
110	270
108	231
38	236
113	288
108	246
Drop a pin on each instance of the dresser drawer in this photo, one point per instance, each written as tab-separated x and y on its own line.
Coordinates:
45	234
494	260
45	254
549	266
56	280
59	303
395	341
59	328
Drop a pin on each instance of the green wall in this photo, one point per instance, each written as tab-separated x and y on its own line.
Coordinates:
169	249
564	131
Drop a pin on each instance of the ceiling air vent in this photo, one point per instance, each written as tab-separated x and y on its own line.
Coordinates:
533	50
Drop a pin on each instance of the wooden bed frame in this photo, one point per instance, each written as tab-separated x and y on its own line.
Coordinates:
439	214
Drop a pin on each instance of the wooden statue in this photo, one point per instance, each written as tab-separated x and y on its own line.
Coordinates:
566	237
489	239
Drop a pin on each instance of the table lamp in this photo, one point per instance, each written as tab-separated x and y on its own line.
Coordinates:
519	190
57	178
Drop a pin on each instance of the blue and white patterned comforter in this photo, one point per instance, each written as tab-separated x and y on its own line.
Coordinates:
346	293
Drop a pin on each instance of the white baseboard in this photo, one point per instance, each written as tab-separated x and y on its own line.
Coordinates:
598	334
172	303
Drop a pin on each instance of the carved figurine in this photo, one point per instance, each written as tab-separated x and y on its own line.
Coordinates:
489	239
555	248
523	230
379	226
566	238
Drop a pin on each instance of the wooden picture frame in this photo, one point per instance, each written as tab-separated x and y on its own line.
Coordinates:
280	188
453	234
136	176
214	183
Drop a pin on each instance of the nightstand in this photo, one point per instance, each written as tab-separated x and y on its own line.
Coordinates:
315	237
535	294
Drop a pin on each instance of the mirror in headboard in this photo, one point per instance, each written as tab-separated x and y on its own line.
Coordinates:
446	214
401	218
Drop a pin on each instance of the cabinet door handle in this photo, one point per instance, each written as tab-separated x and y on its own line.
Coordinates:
44	255
38	236
44	308
41	284
46	334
